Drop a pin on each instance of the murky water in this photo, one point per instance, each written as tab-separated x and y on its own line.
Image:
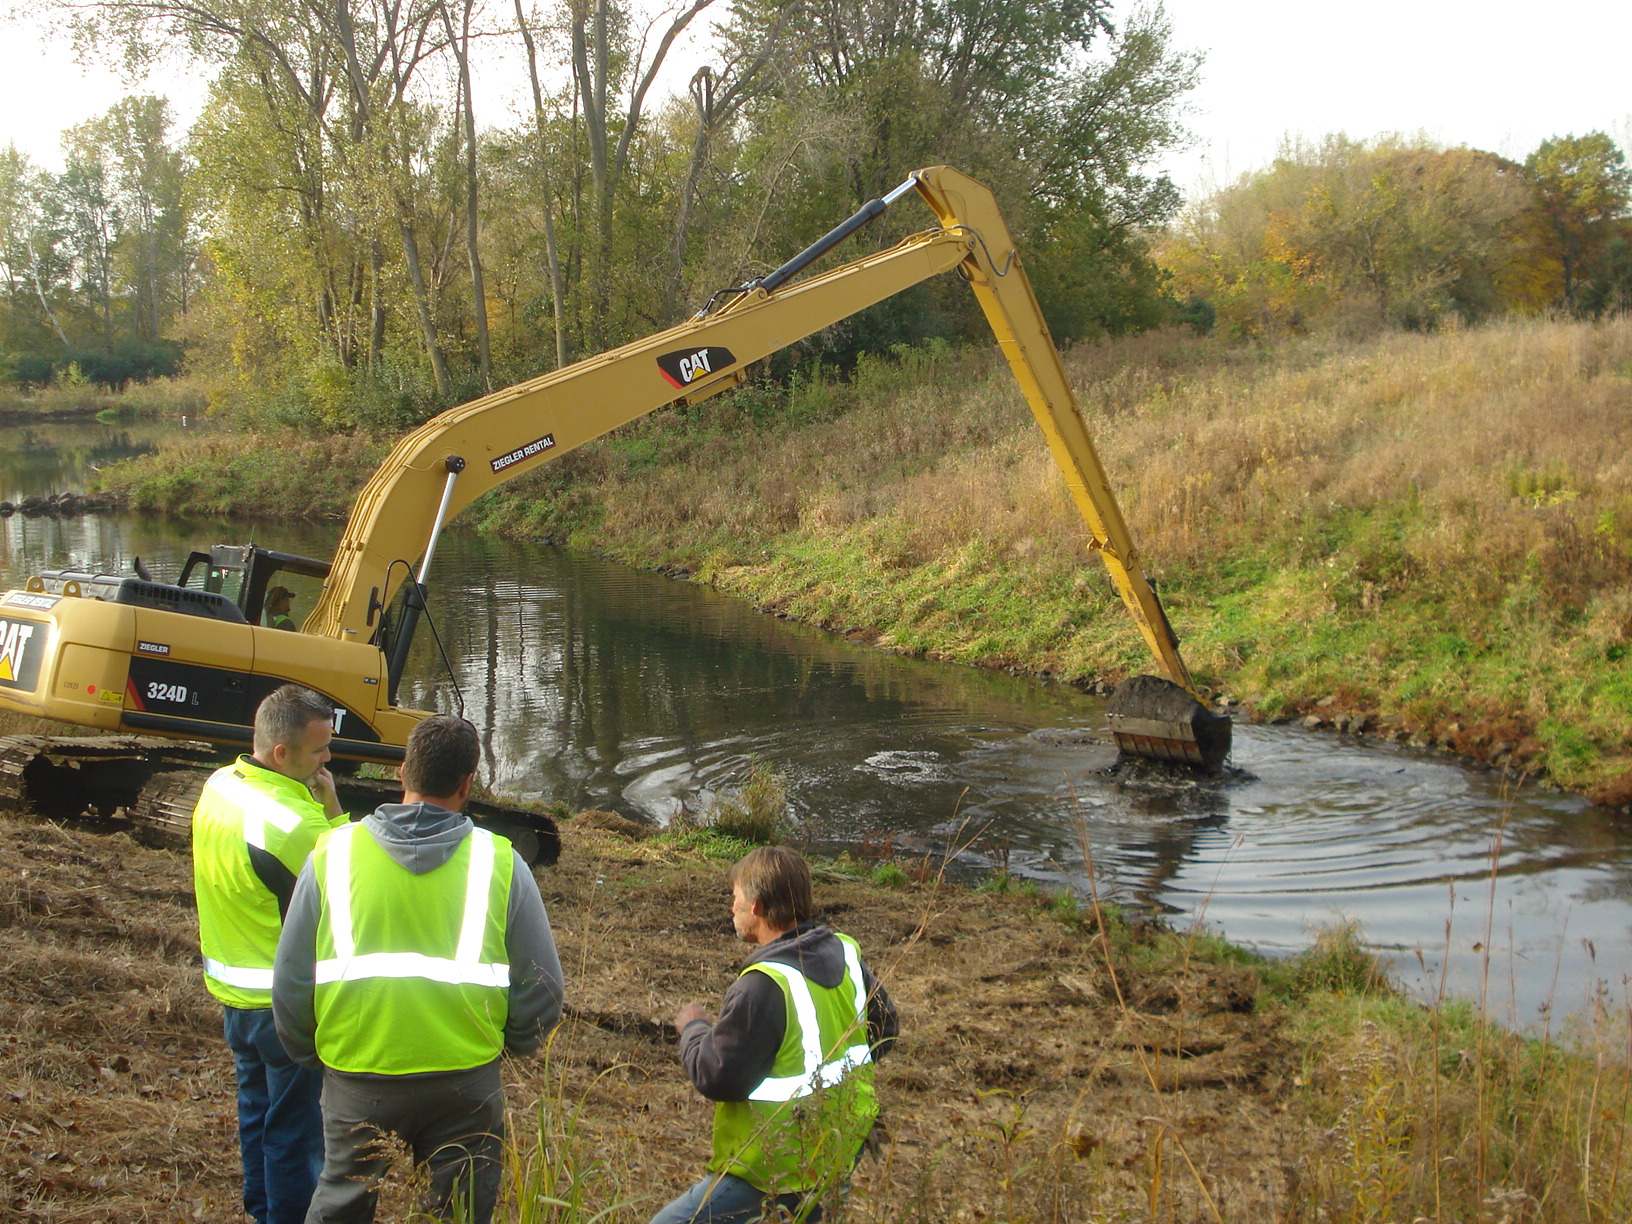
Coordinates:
62	458
609	687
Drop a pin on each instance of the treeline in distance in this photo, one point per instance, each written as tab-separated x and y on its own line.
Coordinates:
345	239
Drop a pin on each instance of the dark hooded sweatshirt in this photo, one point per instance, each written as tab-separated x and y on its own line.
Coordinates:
421	837
728	1059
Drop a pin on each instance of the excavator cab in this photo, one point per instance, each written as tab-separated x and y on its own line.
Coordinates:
246	575
229	583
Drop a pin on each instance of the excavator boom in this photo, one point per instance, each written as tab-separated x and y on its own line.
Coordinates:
143	667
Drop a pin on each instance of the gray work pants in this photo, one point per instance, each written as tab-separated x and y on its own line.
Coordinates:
453	1122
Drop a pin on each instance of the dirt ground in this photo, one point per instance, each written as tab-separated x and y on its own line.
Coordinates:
1030	1082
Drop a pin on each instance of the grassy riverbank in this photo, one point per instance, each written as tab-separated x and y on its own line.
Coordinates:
161	399
1056	1064
1427	536
1430	533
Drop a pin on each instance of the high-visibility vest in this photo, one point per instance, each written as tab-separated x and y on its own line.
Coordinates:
246	805
801	1128
412	974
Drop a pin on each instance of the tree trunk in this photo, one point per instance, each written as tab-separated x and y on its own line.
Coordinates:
422	302
376	335
39	289
552	255
467	104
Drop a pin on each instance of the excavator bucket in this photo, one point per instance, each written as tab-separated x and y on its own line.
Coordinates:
1158	720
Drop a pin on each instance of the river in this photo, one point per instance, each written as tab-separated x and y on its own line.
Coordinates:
609	687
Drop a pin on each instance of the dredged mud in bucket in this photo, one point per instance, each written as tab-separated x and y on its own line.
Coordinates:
1157	720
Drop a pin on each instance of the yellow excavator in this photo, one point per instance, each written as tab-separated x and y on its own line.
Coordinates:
192	659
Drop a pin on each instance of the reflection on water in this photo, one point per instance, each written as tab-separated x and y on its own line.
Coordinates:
602	686
58	458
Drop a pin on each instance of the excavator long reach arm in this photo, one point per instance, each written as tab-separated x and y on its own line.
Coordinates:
442	466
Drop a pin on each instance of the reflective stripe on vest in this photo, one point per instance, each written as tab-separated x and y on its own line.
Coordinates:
258	808
466	968
817	1074
246	813
238	975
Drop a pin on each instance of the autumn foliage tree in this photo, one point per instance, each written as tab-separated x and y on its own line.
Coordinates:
1582	186
1404	232
377	249
1394	231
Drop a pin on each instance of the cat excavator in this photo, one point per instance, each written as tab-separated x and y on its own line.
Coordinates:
129	654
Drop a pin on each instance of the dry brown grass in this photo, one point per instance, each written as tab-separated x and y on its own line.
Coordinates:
1427	529
1053	1069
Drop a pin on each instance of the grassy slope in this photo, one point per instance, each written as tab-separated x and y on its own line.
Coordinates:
1432	532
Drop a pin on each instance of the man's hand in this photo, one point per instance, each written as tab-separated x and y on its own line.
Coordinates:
688	1013
322	787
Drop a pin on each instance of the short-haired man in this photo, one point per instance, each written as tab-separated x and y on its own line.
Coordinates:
789	1063
254	826
416	951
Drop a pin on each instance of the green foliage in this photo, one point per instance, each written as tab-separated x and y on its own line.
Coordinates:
95	261
1064	906
1000	883
113	369
557	1175
758	815
329	398
890	875
1337	963
708	841
249	476
1405	232
1584	186
1609	287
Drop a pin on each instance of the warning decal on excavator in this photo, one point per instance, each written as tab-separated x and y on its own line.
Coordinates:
684	368
22	645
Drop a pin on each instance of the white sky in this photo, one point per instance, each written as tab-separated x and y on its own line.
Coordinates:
1494	74
1498	75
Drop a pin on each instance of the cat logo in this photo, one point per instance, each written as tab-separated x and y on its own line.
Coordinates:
19	656
680	370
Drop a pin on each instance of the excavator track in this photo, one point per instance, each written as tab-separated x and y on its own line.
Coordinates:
149	786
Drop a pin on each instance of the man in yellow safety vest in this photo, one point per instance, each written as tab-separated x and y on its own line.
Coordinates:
416	951
255	824
789	1063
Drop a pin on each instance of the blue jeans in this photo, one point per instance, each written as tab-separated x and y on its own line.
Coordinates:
280	1128
723	1198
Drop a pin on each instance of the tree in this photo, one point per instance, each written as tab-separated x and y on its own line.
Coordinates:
1400	230
143	179
1044	100
365	237
611	69
336	82
1583	184
28	255
1610	288
1092	201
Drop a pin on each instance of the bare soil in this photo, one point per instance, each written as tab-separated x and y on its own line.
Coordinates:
1031	1081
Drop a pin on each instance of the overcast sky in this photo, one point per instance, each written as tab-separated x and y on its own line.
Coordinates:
1497	75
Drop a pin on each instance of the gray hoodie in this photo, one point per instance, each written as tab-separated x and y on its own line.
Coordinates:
421	837
727	1060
